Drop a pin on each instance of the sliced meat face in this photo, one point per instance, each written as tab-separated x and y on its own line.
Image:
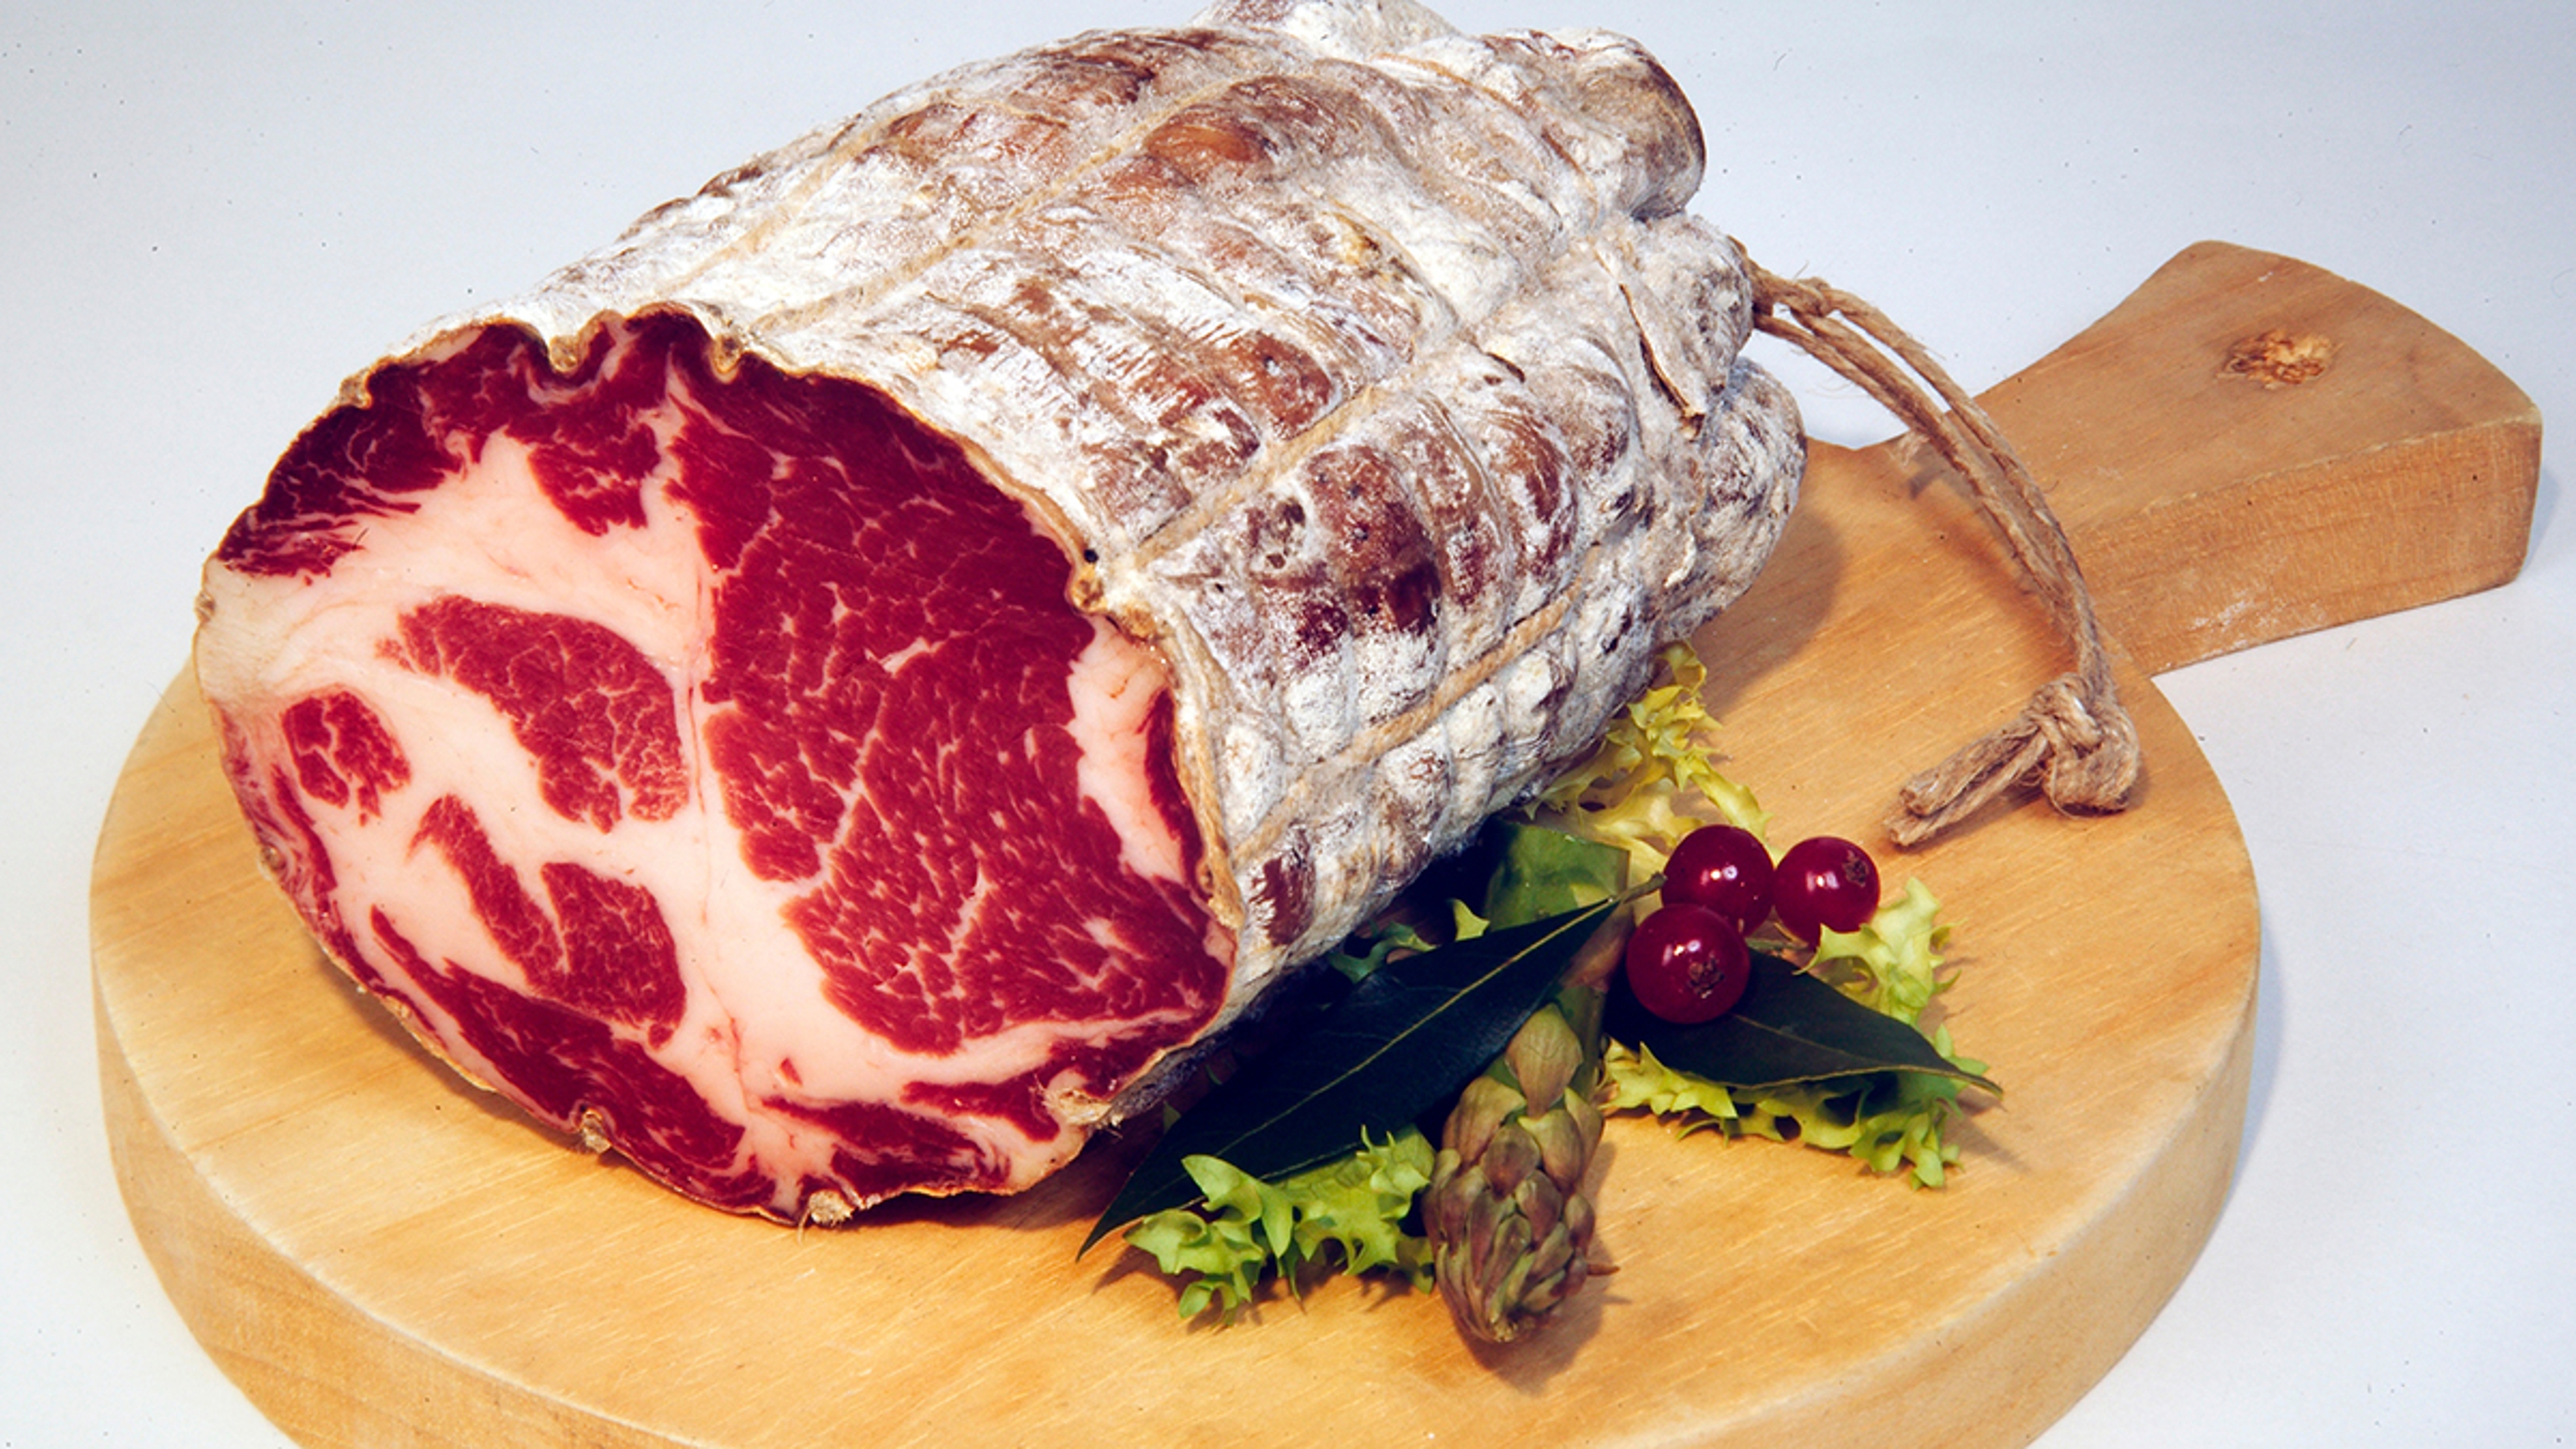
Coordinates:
714	765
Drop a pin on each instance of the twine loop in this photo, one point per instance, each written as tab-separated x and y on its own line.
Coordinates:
2072	738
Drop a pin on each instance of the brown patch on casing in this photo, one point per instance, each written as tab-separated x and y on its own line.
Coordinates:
1287	889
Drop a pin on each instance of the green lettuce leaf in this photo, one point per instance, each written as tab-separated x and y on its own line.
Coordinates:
1540	872
1347	1215
1891	1121
1892	963
1653	765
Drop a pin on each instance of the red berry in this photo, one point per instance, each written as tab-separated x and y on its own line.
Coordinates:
1687	964
1825	881
1725	868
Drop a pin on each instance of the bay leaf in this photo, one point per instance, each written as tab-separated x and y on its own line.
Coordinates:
1790	1027
1390	1050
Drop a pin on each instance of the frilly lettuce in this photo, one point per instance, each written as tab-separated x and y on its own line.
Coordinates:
1246	1229
1892	962
1890	1121
1650	766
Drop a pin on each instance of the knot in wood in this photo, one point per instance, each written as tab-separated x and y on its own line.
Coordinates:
2278	359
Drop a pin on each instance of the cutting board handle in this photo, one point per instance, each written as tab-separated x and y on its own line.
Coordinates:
2249	447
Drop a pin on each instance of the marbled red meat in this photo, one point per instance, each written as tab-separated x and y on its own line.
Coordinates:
933	771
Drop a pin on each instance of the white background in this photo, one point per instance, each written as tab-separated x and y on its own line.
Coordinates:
209	216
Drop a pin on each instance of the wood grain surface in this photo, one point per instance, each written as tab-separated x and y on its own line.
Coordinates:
381	1256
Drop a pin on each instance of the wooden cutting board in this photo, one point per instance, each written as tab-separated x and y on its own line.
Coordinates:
381	1256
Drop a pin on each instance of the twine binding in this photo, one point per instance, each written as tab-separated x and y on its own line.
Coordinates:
2072	738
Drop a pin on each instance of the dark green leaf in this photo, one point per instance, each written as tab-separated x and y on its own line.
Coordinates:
1790	1027
1410	1034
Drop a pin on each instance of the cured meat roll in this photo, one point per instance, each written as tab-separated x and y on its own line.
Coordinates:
826	693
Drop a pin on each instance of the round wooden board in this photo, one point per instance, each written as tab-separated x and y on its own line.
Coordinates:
380	1255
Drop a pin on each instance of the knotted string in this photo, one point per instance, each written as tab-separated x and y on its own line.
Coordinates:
2072	738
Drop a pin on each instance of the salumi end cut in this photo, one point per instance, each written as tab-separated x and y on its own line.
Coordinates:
716	766
831	692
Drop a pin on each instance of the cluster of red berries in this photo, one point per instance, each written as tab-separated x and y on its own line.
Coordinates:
1687	961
